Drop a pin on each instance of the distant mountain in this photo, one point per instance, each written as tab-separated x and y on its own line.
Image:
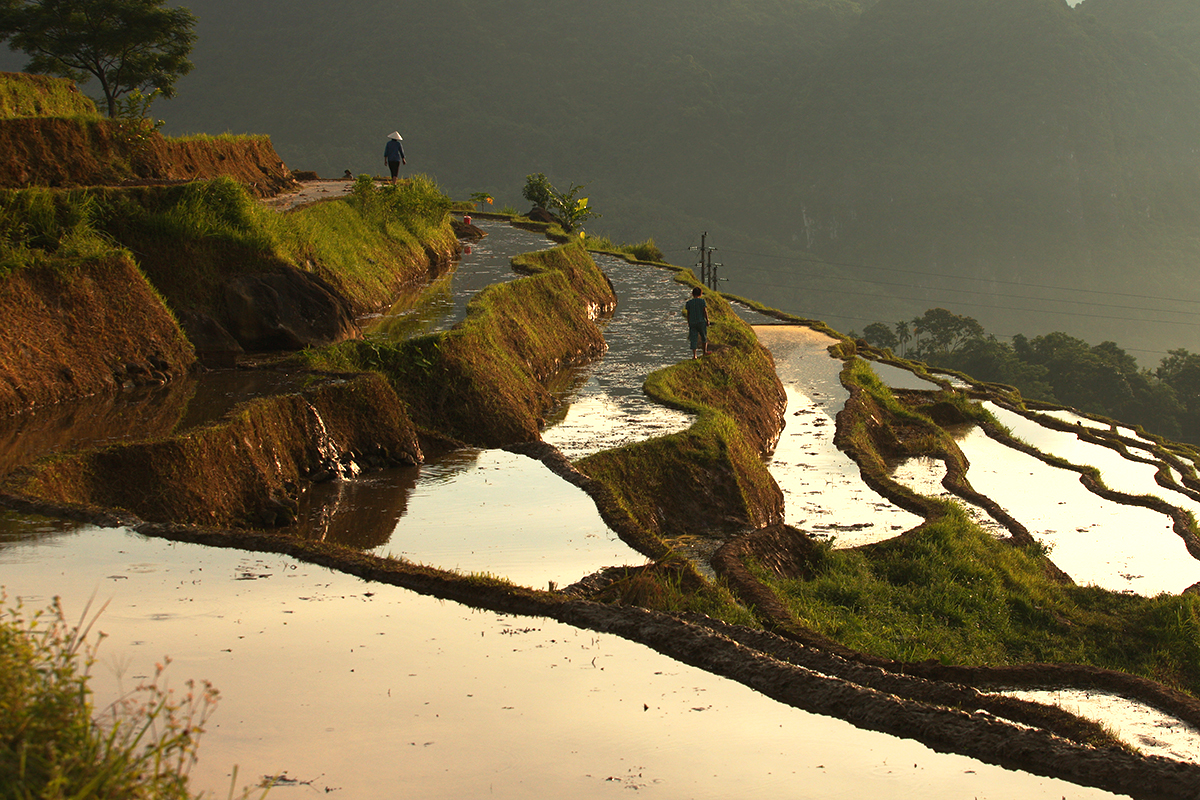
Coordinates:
1172	22
999	139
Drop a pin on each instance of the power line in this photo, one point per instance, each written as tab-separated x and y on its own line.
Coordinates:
961	277
988	294
985	305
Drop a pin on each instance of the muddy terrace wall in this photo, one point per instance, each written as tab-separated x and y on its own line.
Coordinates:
78	328
68	152
483	383
247	471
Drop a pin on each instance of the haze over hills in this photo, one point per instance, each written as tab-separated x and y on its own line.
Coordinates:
1009	144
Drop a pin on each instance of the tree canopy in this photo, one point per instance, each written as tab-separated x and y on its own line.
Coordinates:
126	45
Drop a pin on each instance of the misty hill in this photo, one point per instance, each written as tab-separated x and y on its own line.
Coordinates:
1018	141
1173	22
1013	141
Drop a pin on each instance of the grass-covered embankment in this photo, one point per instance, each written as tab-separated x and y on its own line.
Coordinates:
192	239
710	478
483	382
52	135
25	95
953	593
207	248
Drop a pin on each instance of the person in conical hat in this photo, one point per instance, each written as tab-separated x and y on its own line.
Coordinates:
393	153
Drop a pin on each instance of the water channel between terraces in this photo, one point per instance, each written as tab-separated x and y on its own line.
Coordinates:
368	691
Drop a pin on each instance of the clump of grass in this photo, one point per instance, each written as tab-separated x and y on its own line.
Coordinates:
954	593
645	251
641	251
672	587
57	746
40	224
25	95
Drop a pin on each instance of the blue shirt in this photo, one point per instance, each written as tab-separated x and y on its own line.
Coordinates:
394	151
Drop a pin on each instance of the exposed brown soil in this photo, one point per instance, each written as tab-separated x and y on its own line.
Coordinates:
98	327
64	152
246	471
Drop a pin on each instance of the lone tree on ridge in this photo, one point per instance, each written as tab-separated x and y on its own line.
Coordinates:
126	45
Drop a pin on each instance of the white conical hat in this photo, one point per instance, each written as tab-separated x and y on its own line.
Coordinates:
396	135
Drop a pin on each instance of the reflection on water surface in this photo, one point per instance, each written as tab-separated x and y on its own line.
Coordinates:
606	405
472	511
442	304
823	491
367	691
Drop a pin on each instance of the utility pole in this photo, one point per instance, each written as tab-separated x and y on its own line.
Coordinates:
712	270
702	262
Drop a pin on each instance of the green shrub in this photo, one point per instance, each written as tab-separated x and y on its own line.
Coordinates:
57	747
538	191
646	251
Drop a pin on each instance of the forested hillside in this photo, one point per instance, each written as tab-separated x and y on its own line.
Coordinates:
954	153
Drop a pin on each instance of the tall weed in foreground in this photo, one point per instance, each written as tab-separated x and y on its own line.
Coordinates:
56	747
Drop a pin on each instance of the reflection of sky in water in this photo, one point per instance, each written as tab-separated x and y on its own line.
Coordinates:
1148	729
473	511
1118	472
924	475
900	378
823	491
370	691
443	304
1095	541
608	407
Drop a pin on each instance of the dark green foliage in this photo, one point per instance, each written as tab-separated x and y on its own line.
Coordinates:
564	205
538	191
1056	367
123	44
880	335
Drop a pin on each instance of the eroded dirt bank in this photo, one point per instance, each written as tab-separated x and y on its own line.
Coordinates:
248	470
70	152
93	326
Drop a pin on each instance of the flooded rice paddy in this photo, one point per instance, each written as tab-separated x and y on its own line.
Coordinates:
823	491
1137	725
1092	539
605	407
443	304
362	690
481	511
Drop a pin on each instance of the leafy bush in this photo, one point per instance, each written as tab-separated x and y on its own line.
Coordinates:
569	210
538	191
